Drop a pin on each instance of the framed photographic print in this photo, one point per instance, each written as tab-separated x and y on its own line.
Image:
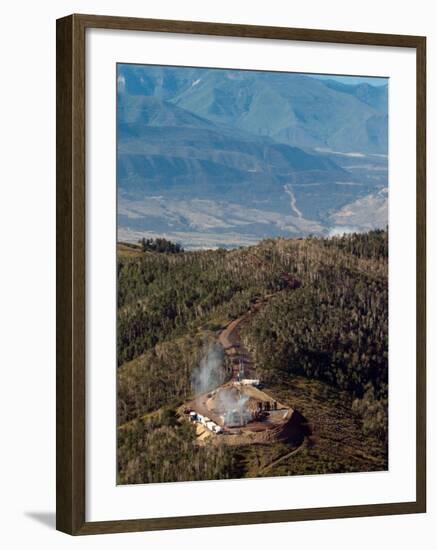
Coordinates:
240	274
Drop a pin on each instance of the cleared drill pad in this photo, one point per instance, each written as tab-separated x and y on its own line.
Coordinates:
250	421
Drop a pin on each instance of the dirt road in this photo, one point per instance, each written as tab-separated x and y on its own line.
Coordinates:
230	338
239	357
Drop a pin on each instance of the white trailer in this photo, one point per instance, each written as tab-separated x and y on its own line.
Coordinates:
204	420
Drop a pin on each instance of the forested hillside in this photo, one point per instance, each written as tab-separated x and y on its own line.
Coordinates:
321	342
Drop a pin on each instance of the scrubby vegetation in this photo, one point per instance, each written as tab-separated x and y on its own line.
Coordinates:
160	377
160	449
334	330
324	320
160	296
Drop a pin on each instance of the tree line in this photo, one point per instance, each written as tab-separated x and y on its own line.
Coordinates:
160	245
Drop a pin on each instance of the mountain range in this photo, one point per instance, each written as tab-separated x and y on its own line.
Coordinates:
213	157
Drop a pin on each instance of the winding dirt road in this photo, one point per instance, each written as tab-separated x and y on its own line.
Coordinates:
230	338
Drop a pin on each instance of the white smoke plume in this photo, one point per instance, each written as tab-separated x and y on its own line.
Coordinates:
210	373
233	401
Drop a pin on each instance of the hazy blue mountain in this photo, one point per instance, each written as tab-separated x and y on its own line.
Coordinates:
164	149
156	81
375	96
239	155
291	108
